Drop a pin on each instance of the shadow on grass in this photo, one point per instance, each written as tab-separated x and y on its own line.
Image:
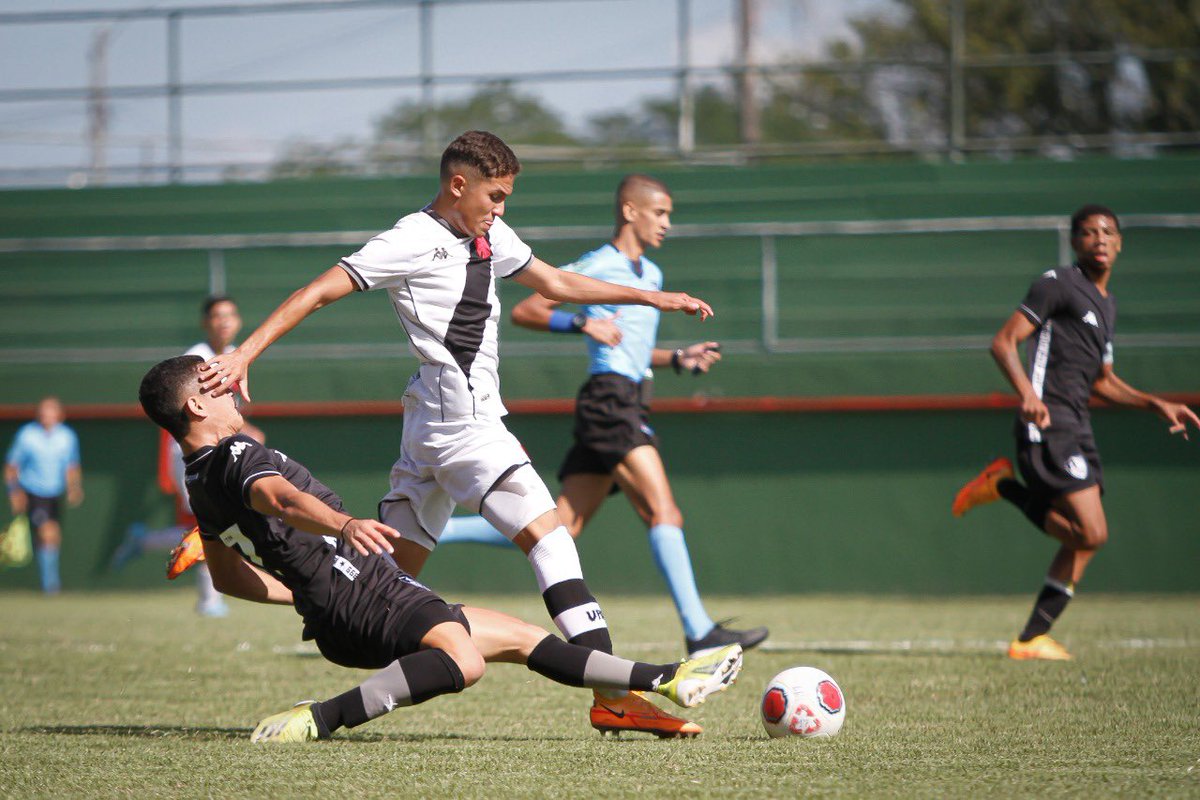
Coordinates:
202	733
915	652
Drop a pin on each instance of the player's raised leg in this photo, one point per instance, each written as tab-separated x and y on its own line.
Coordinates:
500	637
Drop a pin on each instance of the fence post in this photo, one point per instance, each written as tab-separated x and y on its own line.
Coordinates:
174	100
956	96
216	272
686	125
1065	256
770	295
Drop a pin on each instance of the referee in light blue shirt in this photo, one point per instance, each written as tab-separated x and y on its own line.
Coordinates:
615	448
42	465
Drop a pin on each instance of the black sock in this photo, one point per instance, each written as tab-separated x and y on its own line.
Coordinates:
1051	602
1034	508
412	679
581	666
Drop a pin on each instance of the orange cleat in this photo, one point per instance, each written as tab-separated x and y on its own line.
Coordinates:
633	712
981	489
1041	648
188	553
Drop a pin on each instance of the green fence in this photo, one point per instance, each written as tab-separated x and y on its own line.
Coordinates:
772	503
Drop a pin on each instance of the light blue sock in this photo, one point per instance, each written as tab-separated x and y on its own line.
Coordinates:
472	529
671	555
47	560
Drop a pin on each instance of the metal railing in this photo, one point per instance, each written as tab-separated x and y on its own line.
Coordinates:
767	234
953	66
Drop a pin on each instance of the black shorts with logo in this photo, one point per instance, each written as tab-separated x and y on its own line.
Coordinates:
1065	461
612	417
42	509
375	617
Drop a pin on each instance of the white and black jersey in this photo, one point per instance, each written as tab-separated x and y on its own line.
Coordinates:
218	482
1073	342
442	285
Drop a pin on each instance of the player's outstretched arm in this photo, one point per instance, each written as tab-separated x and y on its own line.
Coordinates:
275	496
227	370
1111	388
540	314
1004	350
236	577
569	287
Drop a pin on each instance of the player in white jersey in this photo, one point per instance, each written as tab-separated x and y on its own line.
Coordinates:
438	266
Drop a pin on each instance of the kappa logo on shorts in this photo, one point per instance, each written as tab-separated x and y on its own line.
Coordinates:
414	582
1077	467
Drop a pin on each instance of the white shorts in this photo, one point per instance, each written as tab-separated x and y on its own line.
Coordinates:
475	463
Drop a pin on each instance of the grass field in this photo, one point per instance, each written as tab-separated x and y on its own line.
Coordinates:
120	695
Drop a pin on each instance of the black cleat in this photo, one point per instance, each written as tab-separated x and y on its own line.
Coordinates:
720	636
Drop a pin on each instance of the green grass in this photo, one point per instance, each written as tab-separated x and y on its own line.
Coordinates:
118	695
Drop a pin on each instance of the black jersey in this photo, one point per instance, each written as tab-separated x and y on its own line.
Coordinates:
218	482
1072	344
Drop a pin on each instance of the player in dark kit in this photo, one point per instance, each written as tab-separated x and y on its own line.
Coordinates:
1073	314
273	533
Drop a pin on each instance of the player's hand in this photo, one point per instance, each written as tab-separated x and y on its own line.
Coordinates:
1035	411
369	536
18	500
226	372
700	357
604	331
74	496
678	301
1179	416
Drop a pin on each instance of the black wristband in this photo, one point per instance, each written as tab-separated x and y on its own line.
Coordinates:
675	362
342	532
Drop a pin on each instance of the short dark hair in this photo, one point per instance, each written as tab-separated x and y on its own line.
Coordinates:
1092	210
165	388
484	152
212	302
633	184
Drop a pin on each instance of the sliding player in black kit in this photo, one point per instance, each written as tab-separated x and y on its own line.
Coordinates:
273	533
1073	314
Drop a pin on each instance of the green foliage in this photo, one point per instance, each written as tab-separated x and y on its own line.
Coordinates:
129	695
497	106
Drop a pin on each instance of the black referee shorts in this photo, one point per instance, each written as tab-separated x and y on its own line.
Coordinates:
41	510
378	615
1065	461
612	417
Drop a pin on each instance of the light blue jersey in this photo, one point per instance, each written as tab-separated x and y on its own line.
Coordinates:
42	457
638	324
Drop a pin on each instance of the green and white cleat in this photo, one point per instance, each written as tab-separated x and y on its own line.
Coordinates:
294	725
699	677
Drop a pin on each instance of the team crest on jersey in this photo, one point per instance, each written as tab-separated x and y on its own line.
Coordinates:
1077	467
1090	319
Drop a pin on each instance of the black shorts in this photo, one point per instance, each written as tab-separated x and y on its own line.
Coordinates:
378	616
42	509
612	417
1062	463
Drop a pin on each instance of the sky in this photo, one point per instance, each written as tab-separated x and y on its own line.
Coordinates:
491	37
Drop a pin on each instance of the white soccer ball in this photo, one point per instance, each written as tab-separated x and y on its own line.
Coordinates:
803	701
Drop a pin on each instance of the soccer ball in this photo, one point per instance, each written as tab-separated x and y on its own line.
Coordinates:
803	701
